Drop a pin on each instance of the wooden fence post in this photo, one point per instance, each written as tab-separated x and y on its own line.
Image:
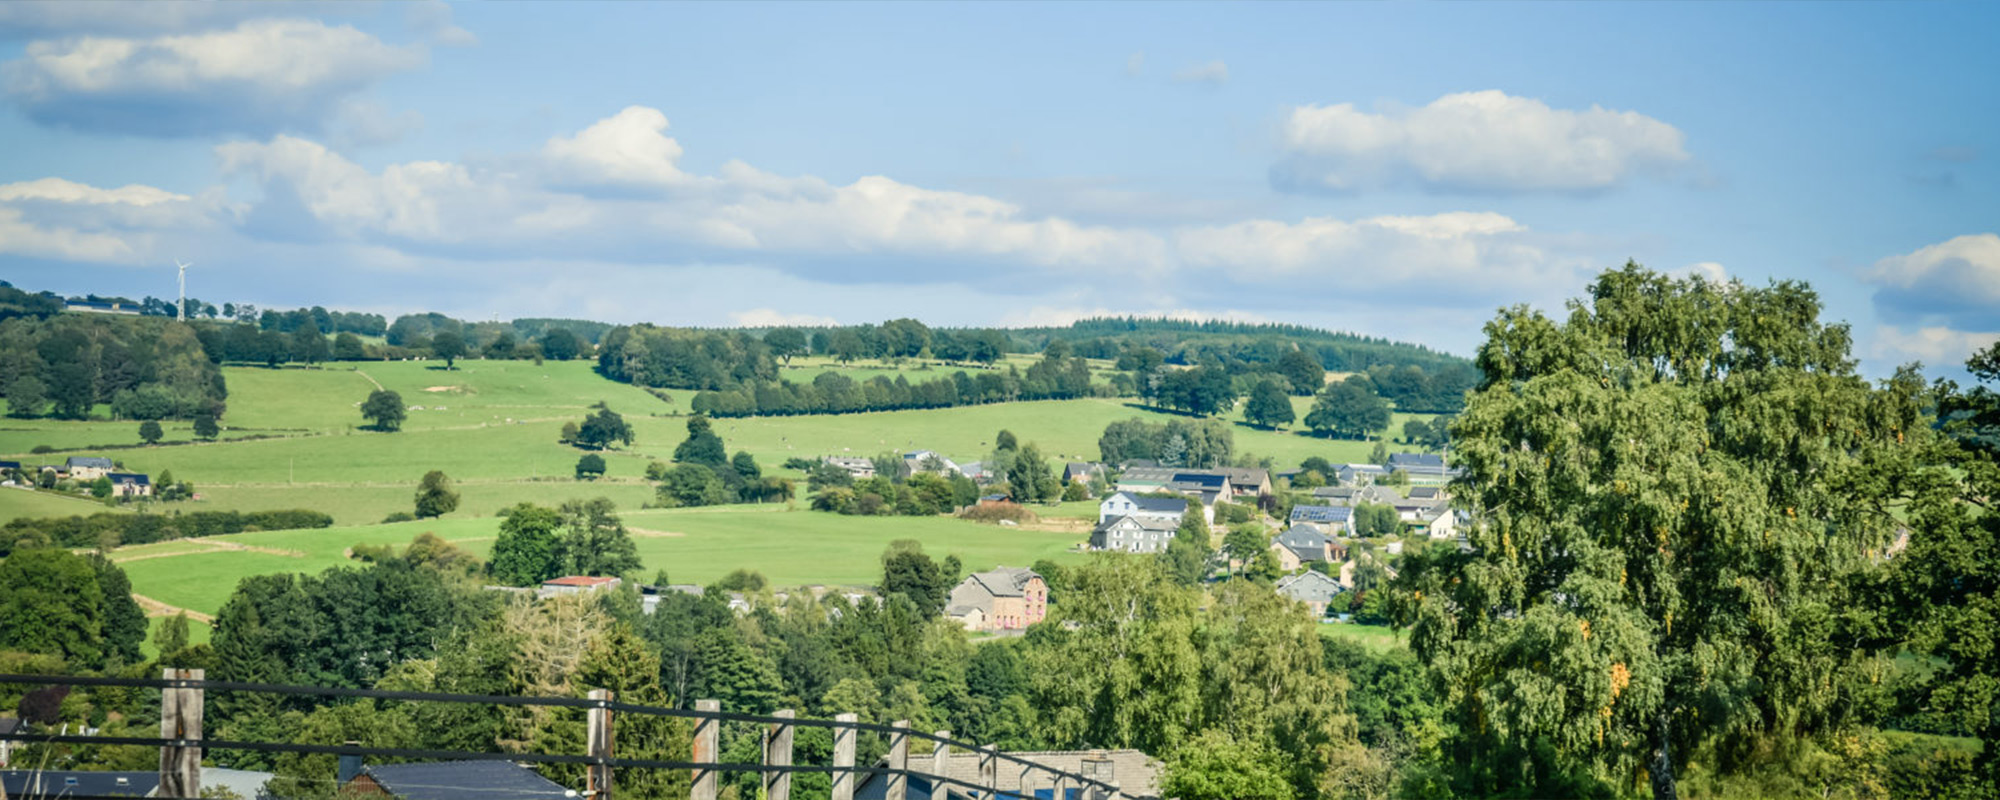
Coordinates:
941	755
778	753
843	757
707	748
598	777
899	760
989	769
180	718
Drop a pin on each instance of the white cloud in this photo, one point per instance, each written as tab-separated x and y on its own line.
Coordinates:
1939	348
1440	259
1710	271
773	318
1954	283
62	191
64	220
1214	73
19	237
261	76
1479	141
630	147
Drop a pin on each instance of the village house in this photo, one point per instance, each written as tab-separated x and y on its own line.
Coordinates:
1135	534
917	462
1130	504
1002	598
1360	474
87	468
445	780
1422	467
1303	544
1310	587
1332	519
1081	472
130	484
1246	484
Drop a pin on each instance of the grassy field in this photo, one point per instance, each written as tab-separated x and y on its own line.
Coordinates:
1373	637
492	426
18	503
691	545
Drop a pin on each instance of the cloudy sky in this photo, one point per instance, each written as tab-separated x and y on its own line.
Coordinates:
1394	169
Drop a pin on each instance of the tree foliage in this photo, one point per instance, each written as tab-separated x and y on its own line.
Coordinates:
1673	488
435	497
1268	406
384	410
1349	409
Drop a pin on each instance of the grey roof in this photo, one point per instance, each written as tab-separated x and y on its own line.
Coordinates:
65	783
1247	476
1310	586
244	783
463	780
1148	474
1425	492
1205	480
1157	505
1147	523
1302	536
135	477
10	725
91	462
1004	581
1335	492
1426	461
1137	774
1322	513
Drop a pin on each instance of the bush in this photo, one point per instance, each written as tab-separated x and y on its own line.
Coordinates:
41	448
993	513
400	516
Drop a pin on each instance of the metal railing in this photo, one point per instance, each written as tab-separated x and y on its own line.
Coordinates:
181	743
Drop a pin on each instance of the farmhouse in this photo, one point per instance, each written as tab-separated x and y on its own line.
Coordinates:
1304	543
918	462
1310	587
1135	534
1002	598
1129	504
1422	467
1360	474
130	484
1081	472
87	468
1247	482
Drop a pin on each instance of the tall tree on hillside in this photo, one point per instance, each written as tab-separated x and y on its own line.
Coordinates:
526	552
786	343
1348	409
384	410
449	346
27	396
1672	488
1188	554
1030	477
435	497
124	623
1268	405
562	344
908	571
1304	372
594	540
149	432
603	427
206	429
54	604
702	446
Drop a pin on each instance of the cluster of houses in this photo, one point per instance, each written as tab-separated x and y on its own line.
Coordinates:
82	469
999	599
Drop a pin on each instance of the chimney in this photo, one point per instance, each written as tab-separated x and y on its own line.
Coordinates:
350	766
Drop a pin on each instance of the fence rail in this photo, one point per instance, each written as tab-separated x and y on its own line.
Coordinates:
181	743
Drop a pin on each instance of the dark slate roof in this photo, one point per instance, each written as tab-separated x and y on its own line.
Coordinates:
58	783
1322	513
1311	586
1205	480
1334	491
10	725
1146	523
135	477
1429	461
1158	505
463	780
94	462
1425	492
1299	536
1004	581
10	465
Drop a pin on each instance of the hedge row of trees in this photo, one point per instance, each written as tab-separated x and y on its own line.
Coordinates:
1196	443
107	530
1052	378
704	474
145	368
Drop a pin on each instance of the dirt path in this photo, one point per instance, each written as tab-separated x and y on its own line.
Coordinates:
155	608
371	379
211	546
644	533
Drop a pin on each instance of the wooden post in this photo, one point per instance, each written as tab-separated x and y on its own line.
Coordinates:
778	753
989	769
598	777
1061	787
899	760
843	757
941	755
707	748
180	718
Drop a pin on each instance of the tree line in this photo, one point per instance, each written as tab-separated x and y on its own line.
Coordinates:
107	530
143	368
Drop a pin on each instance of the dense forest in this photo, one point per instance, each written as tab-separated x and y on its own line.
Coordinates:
146	368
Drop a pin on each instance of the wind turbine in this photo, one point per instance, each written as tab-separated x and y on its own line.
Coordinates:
184	288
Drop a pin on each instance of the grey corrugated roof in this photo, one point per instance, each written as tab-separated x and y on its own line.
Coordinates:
94	462
464	780
1423	460
67	783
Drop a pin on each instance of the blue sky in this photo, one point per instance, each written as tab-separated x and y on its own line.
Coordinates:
1394	169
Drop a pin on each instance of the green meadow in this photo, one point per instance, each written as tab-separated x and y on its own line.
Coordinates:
791	548
1380	638
19	503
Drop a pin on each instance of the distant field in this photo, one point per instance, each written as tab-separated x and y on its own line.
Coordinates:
692	545
18	503
492	426
1374	637
805	368
198	633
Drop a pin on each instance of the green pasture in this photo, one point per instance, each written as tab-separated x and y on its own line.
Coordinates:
476	392
791	548
21	503
198	633
363	504
1373	637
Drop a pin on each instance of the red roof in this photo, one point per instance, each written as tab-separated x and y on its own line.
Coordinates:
579	580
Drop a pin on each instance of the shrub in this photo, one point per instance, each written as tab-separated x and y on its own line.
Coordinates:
400	516
993	513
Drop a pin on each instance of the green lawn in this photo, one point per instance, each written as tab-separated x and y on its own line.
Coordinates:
198	633
360	505
692	545
19	503
1374	637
